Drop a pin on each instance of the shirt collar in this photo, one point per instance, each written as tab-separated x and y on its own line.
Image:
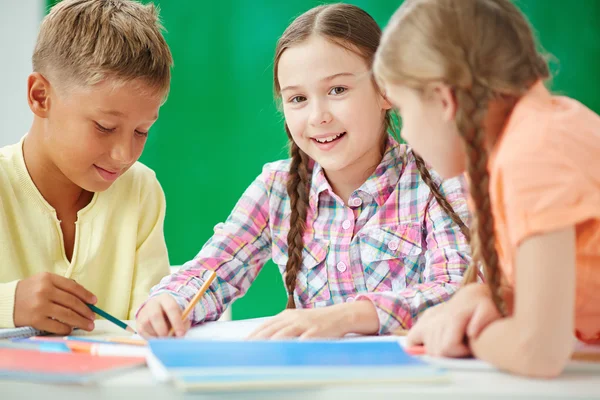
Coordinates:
378	186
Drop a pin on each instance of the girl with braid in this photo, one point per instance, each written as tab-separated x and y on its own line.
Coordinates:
365	237
469	84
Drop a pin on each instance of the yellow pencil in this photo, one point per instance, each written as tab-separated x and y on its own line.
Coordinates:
195	299
400	332
582	356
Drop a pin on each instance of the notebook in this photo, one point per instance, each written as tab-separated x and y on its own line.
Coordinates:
31	365
24	332
245	365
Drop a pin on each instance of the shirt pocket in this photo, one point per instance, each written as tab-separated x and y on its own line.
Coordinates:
390	257
312	284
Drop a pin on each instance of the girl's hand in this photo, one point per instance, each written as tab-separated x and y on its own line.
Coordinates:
327	322
158	315
444	329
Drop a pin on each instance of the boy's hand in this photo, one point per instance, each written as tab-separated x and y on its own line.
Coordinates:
53	303
158	315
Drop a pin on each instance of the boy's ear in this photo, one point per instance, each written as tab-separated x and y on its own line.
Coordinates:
38	94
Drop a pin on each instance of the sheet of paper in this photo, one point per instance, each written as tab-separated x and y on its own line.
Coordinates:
225	330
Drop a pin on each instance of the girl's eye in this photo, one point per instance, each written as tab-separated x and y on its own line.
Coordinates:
337	90
297	99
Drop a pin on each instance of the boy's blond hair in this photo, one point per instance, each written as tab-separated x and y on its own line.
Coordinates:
83	42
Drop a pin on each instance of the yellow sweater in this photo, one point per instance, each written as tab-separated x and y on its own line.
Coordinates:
119	251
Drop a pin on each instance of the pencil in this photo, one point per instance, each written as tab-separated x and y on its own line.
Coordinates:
400	332
195	299
112	319
583	356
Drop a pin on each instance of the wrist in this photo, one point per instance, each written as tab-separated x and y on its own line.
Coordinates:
360	317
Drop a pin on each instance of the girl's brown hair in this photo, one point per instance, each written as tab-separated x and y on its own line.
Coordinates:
354	29
484	50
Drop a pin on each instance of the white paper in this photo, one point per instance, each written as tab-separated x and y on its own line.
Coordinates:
226	330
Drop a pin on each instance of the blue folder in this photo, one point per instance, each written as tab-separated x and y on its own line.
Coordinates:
230	365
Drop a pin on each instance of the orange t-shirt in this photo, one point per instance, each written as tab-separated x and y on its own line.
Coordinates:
545	176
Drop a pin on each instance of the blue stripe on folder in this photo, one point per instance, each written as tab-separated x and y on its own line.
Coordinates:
175	353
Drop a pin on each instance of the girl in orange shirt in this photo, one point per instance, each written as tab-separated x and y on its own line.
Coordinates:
468	82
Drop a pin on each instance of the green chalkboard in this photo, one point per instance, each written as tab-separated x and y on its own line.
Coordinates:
221	124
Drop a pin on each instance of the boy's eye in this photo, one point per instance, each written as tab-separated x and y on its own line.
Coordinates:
104	129
337	90
297	99
140	133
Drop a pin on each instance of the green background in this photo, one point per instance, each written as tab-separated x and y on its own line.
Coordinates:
221	124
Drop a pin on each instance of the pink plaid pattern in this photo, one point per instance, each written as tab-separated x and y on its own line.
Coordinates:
388	245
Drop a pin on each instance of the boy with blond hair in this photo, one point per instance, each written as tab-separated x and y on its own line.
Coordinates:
82	220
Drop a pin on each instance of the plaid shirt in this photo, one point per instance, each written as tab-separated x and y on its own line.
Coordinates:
387	245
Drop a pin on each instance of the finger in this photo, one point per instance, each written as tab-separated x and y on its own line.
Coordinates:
455	345
312	333
452	342
455	348
263	326
69	317
415	334
148	332
69	285
69	301
268	330
484	314
309	334
53	326
434	341
287	332
145	327
159	322
173	313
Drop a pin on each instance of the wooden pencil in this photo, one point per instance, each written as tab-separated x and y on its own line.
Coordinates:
195	299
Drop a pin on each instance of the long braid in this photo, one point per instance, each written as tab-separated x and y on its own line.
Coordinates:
441	199
471	111
298	187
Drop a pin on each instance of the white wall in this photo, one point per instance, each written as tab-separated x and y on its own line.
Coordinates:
19	22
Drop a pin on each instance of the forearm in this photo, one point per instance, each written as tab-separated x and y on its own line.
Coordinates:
7	304
515	347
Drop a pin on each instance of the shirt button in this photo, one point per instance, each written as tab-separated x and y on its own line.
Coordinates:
346	224
393	245
349	299
356	201
341	267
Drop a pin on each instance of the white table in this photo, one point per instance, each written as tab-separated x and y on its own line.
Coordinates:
466	384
